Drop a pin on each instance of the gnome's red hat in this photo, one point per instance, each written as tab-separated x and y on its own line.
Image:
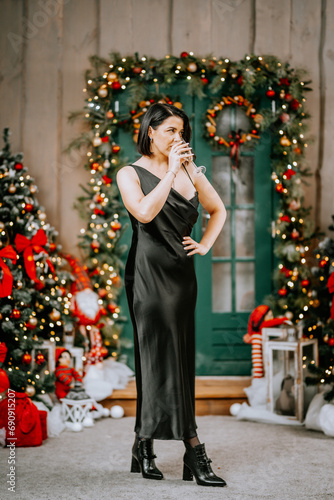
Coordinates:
256	319
59	351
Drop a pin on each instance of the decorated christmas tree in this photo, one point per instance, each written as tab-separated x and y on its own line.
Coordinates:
321	322
34	306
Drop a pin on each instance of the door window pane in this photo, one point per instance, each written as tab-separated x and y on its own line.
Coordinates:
221	177
244	281
222	246
244	181
221	287
244	234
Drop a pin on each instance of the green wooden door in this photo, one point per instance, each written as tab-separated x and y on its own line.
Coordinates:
236	274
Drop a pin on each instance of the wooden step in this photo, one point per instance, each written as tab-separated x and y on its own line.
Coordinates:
213	395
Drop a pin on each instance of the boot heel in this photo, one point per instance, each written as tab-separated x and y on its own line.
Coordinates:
187	474
134	465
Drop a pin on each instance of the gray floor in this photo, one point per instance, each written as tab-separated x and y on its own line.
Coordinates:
257	461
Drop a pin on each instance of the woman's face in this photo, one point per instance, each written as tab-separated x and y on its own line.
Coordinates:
166	135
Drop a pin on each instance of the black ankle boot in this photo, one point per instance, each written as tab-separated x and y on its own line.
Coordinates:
196	463
143	459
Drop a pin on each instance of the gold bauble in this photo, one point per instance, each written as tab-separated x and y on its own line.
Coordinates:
285	141
33	189
192	67
97	141
103	91
2	226
12	189
112	76
55	315
33	321
30	391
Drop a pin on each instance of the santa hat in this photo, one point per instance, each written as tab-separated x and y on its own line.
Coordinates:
256	318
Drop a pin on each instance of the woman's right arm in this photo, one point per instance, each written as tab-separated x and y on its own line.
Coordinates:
143	208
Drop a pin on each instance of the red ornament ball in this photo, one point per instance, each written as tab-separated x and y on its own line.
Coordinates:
323	263
112	307
102	292
40	359
305	283
184	54
205	81
137	70
52	247
116	148
32	323
115	225
282	292
95	245
28	207
270	93
331	342
279	187
16	314
295	234
116	85
26	358
294	104
18	166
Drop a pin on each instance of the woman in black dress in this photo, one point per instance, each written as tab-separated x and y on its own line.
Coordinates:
161	192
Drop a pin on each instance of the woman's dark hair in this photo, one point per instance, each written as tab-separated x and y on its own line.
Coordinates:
155	116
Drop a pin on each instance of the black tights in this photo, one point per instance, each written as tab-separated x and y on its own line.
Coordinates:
194	441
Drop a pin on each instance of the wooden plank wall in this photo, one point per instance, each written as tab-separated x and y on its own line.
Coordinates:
44	49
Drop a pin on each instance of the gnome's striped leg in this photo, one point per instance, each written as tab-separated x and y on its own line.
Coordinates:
257	356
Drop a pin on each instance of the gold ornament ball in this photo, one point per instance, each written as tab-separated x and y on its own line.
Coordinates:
192	67
97	142
12	189
33	321
288	315
112	76
285	141
1	316
177	104
19	284
54	315
42	216
2	226
30	391
111	234
33	189
103	91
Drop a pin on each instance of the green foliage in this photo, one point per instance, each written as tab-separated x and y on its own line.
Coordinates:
35	307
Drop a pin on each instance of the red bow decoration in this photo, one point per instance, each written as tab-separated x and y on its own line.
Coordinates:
3	352
23	244
6	285
330	286
235	143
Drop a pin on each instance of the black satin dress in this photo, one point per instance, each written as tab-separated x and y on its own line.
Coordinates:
161	290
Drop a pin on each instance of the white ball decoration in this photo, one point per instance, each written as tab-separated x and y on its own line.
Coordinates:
116	411
234	409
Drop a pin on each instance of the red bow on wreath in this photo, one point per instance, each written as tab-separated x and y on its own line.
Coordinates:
330	286
6	285
23	244
235	143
